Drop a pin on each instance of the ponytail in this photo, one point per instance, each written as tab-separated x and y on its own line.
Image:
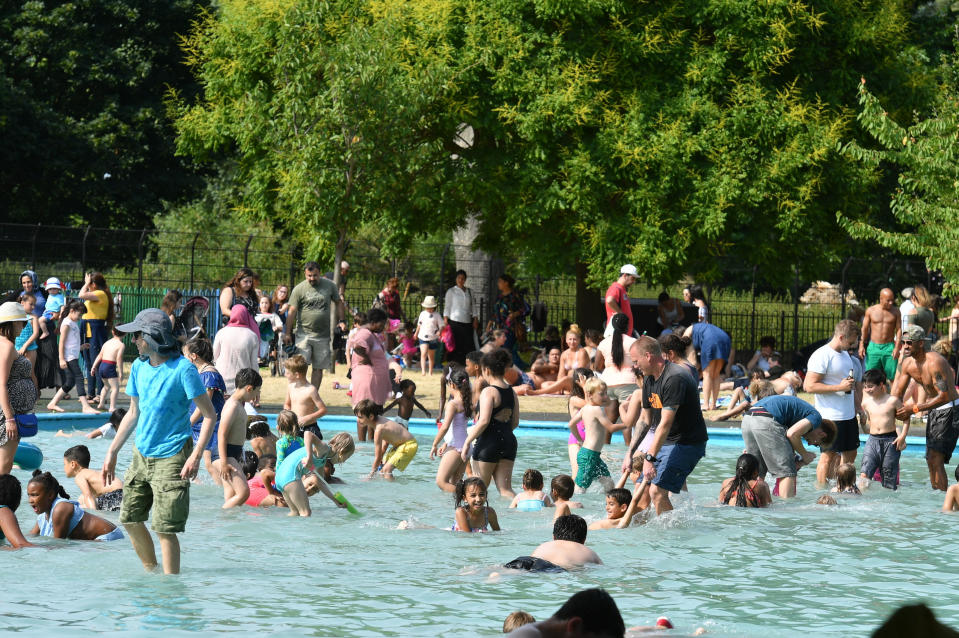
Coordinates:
747	467
620	323
49	483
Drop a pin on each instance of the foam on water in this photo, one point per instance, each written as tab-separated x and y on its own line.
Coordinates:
795	567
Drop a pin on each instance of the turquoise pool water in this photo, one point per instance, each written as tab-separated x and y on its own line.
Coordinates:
793	568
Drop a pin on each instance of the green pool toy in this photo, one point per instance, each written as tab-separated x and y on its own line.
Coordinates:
349	506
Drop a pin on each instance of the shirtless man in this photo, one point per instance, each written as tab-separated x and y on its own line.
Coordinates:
545	369
881	335
566	551
932	372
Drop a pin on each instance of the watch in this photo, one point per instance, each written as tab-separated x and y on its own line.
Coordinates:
652	459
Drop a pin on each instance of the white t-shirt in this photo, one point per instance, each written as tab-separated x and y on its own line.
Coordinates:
905	308
71	347
834	367
611	374
429	324
107	431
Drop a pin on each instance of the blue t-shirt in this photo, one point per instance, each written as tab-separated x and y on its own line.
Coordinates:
164	393
787	411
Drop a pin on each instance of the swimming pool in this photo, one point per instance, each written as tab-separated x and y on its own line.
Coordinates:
793	568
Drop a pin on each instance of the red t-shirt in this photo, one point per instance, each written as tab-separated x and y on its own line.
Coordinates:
618	292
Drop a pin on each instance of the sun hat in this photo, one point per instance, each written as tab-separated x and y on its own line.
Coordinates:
156	328
12	311
52	282
429	302
629	269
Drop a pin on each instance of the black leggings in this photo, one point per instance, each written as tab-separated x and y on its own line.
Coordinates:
72	375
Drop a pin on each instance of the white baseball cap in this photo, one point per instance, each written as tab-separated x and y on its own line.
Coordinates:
629	269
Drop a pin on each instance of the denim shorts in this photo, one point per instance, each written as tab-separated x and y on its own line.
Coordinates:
433	345
676	462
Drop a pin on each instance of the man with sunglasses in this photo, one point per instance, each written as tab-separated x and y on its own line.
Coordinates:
931	371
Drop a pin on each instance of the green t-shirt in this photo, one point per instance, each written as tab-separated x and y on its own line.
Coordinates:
312	305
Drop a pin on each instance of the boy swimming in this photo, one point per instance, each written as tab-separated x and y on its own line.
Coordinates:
567	550
94	494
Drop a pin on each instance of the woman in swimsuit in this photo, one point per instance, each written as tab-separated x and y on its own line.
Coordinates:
495	450
59	517
473	513
747	487
458	409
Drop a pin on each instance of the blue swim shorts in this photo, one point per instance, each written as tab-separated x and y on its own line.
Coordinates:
676	462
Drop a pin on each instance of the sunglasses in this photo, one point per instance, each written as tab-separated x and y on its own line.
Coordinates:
907	342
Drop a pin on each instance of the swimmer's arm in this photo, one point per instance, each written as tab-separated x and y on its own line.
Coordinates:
624	475
902	431
514	501
420	406
127	425
309	441
515	420
87	497
795	434
327	491
627	518
608	425
493	520
731	412
462	520
223	437
11	529
94	434
60	517
268	477
390	405
762	491
377	450
288	401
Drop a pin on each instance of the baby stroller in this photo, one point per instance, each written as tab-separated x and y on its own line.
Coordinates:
192	318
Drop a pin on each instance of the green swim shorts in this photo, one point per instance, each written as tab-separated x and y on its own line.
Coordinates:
152	483
879	355
591	466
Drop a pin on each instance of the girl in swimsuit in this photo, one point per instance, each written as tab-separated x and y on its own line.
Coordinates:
532	498
747	487
495	449
263	492
473	513
577	400
10	493
459	408
59	517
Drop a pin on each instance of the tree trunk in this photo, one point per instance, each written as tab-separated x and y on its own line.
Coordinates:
476	263
338	253
590	310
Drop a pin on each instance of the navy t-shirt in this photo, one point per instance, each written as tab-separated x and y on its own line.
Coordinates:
676	390
787	411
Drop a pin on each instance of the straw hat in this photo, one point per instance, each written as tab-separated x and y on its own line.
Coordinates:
12	311
429	302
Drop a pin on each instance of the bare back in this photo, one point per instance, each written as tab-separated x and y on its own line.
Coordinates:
112	350
595	432
391	432
566	554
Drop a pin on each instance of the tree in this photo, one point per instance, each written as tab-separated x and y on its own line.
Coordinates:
82	85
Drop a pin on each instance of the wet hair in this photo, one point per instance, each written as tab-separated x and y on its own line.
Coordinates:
597	610
747	469
672	343
248	376
267	460
825	499
250	464
461	486
593	335
768	340
202	348
407	383
594	384
570	528
620	495
170	301
80	454
343	445
49	483
532	480
476	356
516	620
760	389
257	426
461	381
10	491
831	431
287	423
620	324
117	416
578	374
563	486
846	476
874	376
497	362
296	364
367	408
376	315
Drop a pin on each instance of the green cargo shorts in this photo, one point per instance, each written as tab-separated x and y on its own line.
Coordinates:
152	483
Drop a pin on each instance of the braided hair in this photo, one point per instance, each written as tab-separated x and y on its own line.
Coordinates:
49	483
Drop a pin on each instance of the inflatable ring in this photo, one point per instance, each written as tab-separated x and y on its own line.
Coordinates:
28	457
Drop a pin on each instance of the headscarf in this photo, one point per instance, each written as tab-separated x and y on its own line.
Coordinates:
240	318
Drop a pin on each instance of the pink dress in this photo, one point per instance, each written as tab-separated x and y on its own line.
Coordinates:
370	381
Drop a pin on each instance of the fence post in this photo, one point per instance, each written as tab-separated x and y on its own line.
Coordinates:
193	257
33	248
246	251
143	236
796	310
292	265
782	327
83	251
842	285
446	250
752	331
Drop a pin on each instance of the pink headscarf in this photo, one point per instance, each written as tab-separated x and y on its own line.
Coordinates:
240	318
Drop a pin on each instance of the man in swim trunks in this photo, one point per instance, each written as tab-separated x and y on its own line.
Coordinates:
680	438
591	612
566	551
933	373
881	334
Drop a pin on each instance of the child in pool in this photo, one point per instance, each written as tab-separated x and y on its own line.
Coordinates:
261	472
532	498
386	433
459	408
590	465
59	517
405	404
951	504
617	501
747	487
516	620
109	365
299	480
109	429
473	513
10	494
94	494
825	499
846	480
258	433
290	439
561	489
577	400
232	434
199	352
328	470
303	399
885	443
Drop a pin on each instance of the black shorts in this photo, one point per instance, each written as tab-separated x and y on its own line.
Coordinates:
847	435
942	431
496	446
533	564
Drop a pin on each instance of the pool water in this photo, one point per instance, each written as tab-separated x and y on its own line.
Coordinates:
795	567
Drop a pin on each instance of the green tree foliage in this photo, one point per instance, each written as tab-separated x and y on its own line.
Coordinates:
926	157
670	134
338	116
82	118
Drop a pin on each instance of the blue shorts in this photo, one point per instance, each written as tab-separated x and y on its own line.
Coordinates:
676	462
107	370
115	535
433	345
